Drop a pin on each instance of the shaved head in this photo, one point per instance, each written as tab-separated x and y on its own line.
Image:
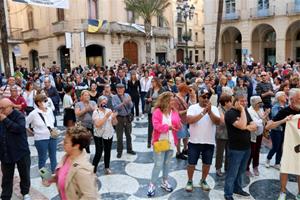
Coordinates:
6	106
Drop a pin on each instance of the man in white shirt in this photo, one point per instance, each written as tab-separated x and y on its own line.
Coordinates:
203	118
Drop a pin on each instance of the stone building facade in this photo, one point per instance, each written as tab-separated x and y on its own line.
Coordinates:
267	29
43	31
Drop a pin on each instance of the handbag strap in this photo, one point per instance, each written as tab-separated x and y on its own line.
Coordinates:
44	120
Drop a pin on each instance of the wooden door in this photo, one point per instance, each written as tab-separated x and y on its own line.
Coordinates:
130	50
180	55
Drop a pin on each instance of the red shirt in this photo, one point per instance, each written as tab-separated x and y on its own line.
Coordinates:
19	101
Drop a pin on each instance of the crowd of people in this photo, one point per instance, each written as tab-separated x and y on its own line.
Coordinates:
193	111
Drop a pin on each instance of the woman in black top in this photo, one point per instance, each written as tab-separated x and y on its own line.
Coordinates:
94	93
60	87
134	90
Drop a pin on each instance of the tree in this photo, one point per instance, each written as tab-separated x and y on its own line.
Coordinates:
218	29
147	9
4	39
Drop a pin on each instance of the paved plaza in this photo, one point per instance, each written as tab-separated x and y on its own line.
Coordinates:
131	176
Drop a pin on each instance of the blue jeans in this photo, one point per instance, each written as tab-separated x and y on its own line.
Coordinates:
237	163
143	95
277	141
161	162
45	148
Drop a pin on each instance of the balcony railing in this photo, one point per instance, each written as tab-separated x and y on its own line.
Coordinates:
30	35
256	13
15	34
293	8
161	31
232	16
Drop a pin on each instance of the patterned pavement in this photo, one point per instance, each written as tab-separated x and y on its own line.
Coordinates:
131	175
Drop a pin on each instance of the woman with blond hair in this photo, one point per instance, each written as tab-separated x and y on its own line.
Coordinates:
166	123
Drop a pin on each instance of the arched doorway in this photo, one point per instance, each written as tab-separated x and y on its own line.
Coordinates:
231	49
264	44
130	50
95	55
64	57
33	59
180	55
293	42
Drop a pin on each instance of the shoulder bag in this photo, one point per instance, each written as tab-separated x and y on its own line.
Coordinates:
53	132
162	145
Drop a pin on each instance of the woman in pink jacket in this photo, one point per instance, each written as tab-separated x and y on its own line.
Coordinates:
166	123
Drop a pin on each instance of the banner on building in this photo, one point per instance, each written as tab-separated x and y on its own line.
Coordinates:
47	3
68	40
94	25
290	162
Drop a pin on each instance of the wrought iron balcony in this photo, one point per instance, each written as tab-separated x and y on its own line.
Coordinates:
258	13
232	16
30	35
293	8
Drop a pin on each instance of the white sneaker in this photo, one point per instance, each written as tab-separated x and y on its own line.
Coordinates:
277	166
282	196
267	164
26	197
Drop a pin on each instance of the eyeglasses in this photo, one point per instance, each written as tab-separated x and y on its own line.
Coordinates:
263	75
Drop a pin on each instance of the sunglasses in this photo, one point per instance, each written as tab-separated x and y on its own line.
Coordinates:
205	96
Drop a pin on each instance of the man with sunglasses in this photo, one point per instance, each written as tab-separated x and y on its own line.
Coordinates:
265	90
203	118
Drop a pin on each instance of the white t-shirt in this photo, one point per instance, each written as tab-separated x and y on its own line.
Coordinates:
106	131
204	130
168	120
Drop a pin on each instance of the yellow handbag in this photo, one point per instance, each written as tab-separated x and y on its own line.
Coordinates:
161	146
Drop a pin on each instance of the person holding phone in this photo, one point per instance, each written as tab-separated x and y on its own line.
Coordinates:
239	127
104	119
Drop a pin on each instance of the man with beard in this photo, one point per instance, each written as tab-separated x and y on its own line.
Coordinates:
280	120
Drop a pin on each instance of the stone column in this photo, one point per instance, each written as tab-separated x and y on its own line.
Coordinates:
280	50
77	53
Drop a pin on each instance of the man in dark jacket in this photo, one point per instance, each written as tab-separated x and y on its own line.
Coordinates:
13	150
52	93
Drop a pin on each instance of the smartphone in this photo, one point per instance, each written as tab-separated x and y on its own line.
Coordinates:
45	173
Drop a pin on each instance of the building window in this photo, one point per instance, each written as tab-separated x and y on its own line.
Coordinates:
190	34
196	36
60	14
93	9
160	21
229	6
196	18
196	59
30	19
197	52
130	16
263	4
179	34
191	56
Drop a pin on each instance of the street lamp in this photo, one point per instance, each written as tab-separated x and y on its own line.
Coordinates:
186	11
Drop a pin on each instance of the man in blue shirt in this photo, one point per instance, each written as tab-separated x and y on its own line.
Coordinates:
122	104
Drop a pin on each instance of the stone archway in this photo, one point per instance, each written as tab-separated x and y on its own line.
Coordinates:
130	52
293	41
264	44
95	55
231	49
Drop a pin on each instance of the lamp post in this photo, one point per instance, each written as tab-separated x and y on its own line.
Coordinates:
187	12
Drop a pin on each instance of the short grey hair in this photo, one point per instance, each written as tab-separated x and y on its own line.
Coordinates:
293	92
101	98
254	100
